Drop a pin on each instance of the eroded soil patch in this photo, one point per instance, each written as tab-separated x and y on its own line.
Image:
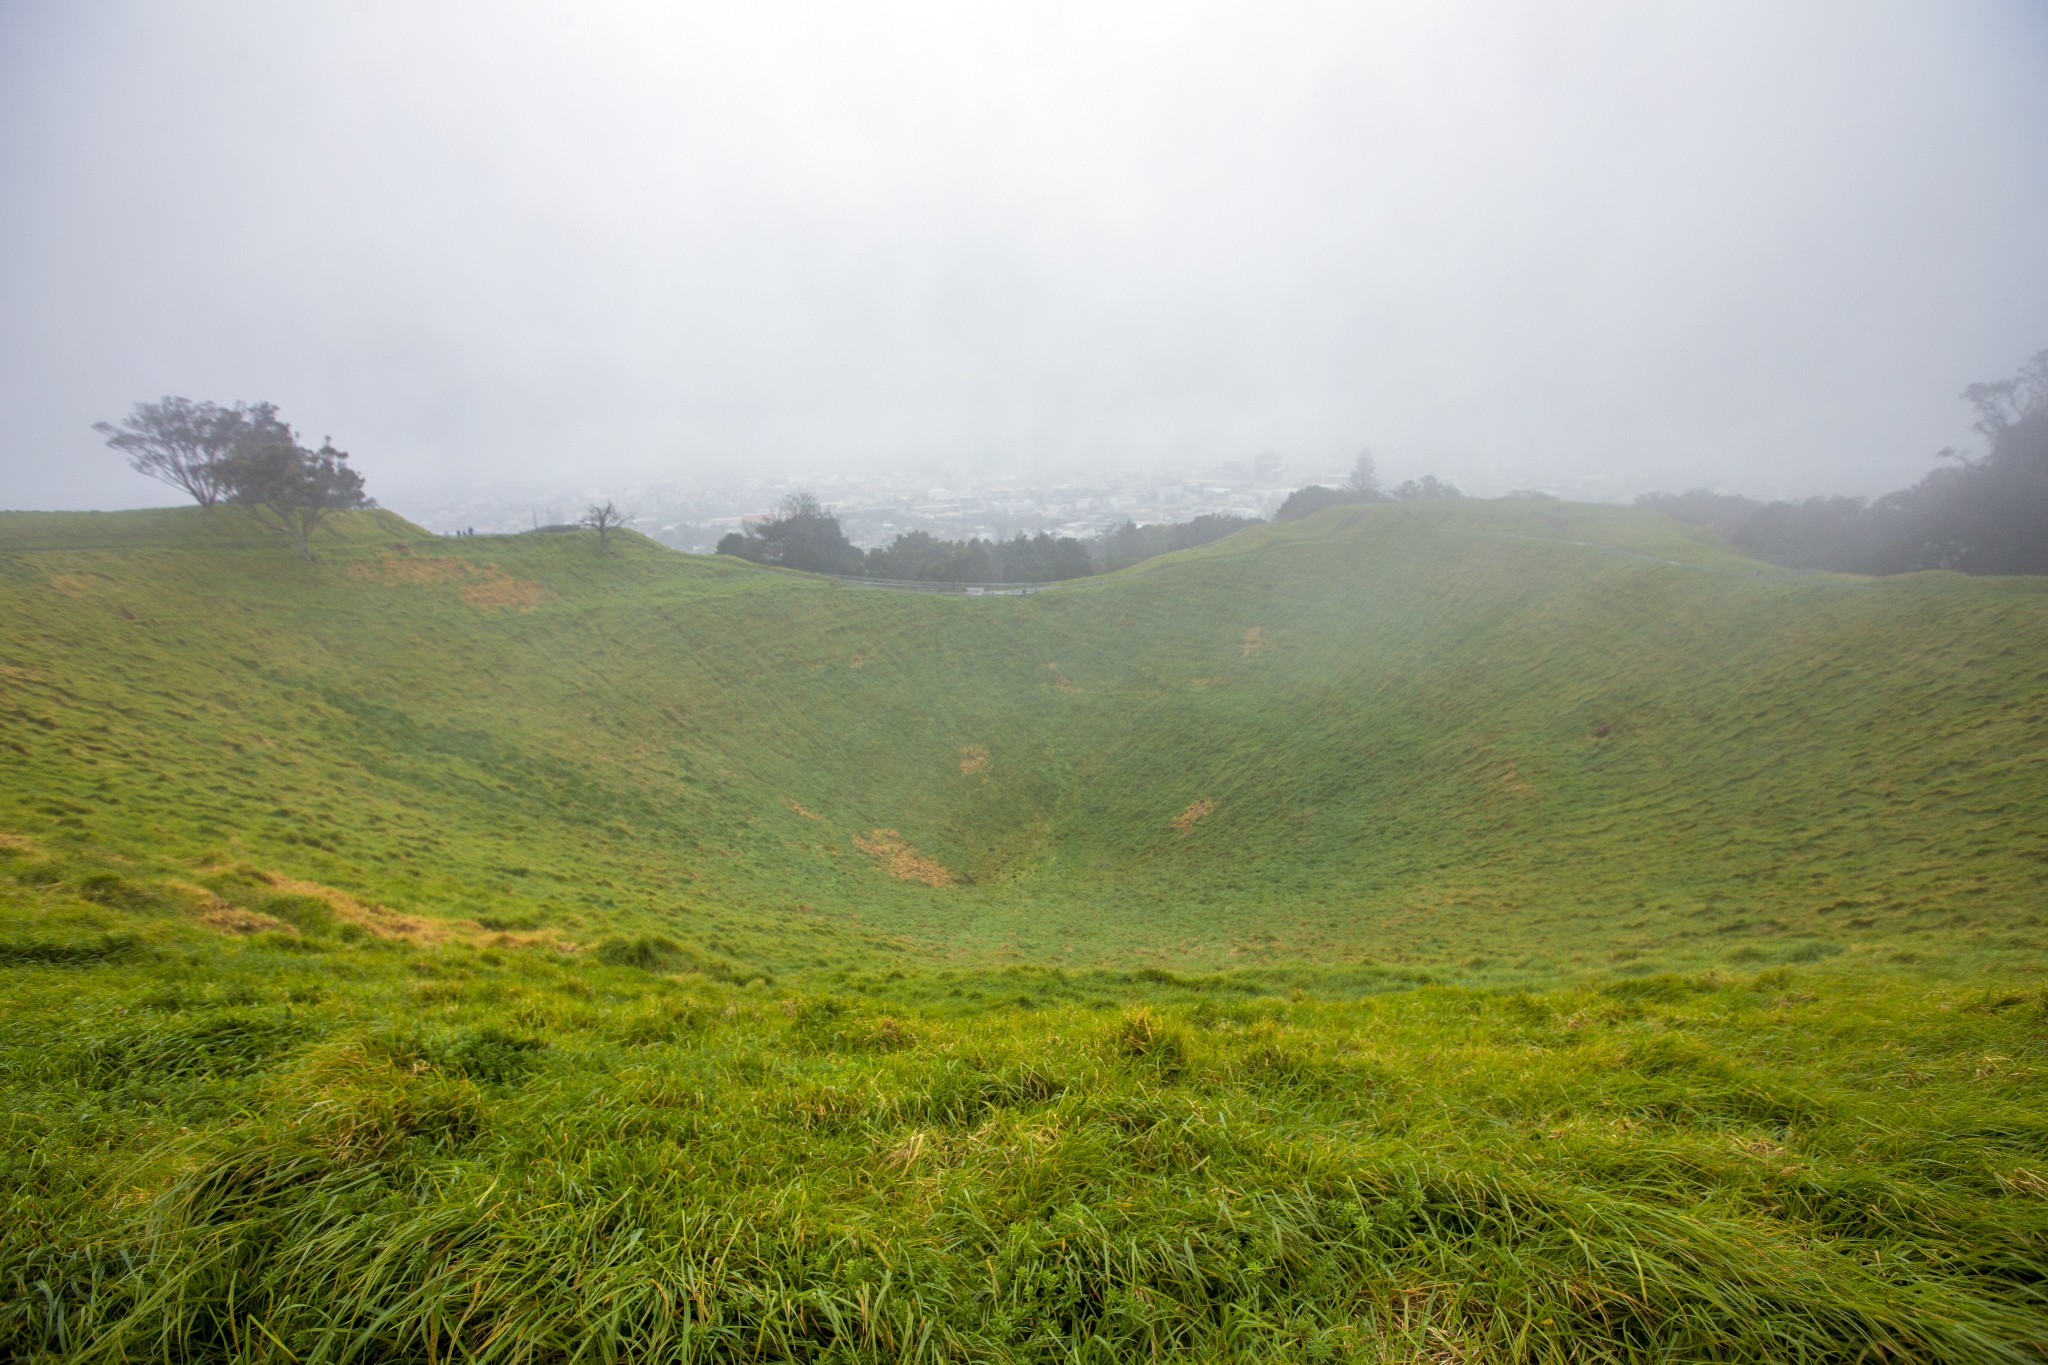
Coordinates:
1193	815
900	860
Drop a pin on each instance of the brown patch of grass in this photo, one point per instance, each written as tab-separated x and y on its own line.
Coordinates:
374	918
393	571
1187	819
486	585
900	860
217	914
77	585
1060	681
856	661
503	591
1254	641
798	808
974	759
389	924
2022	1181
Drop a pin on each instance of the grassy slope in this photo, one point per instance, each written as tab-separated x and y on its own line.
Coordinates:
1435	735
1457	746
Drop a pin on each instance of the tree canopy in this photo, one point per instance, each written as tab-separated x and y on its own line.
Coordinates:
802	535
280	483
1985	514
245	455
183	443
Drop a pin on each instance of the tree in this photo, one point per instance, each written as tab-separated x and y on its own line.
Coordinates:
1365	476
1975	514
604	520
1985	515
804	535
180	442
280	483
1306	502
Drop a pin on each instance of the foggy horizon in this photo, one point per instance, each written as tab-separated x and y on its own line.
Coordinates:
1757	248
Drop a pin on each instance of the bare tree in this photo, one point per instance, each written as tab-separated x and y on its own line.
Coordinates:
604	520
180	442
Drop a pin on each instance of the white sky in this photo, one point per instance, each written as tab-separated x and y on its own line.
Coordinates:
1756	245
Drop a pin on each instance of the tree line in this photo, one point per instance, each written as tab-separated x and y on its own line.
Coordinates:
1364	485
803	534
1985	514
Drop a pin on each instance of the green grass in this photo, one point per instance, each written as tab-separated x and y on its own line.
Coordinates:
1575	945
375	1153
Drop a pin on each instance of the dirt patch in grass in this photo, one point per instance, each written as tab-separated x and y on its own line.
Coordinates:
1254	641
974	759
799	809
1193	815
900	860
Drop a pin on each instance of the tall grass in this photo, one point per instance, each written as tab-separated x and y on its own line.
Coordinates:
514	1156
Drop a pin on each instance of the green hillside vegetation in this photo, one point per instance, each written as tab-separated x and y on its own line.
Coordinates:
1436	931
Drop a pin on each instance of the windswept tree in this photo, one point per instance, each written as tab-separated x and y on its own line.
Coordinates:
180	442
604	520
280	483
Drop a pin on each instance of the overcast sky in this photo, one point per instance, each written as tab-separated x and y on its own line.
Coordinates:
1760	246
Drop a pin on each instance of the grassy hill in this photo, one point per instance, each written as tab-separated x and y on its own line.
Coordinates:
1463	931
1516	740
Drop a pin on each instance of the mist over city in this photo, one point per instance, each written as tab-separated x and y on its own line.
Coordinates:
515	257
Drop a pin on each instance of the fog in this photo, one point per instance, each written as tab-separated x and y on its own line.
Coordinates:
1597	247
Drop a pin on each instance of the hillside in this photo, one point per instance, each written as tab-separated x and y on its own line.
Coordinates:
1489	932
1505	739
